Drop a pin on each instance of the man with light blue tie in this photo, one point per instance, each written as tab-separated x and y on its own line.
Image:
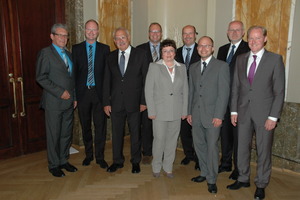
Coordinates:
89	59
54	73
188	55
229	53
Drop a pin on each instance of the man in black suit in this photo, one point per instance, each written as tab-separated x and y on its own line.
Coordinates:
152	51
89	59
188	55
229	53
55	74
124	98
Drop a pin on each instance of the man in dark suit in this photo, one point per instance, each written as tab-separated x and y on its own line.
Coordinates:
55	74
89	59
258	91
124	98
152	51
209	81
188	55
228	53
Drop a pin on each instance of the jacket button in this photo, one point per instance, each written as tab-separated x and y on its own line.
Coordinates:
171	94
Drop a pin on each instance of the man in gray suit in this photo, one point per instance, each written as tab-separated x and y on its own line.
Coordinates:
54	74
208	97
257	98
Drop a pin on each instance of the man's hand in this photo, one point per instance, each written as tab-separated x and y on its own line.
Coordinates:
216	122
107	110
66	95
183	117
189	119
270	124
234	119
75	104
152	117
142	108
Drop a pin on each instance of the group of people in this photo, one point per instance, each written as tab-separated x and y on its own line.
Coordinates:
163	92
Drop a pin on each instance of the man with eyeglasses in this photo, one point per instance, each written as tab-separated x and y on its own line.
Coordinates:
208	98
188	55
89	59
124	98
55	74
152	51
229	53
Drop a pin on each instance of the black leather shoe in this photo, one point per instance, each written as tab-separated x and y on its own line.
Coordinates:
103	164
114	167
212	188
259	193
87	161
237	185
234	175
224	169
136	168
198	179
185	161
68	167
197	167
57	172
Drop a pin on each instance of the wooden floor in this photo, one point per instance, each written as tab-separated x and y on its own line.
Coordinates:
27	177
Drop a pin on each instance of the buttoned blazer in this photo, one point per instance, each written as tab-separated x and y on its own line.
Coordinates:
52	74
265	97
165	99
223	52
208	93
194	58
80	63
146	47
125	92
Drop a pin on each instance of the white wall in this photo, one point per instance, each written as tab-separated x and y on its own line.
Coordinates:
90	10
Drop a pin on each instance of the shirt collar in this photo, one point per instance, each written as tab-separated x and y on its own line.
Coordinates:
127	51
192	46
207	60
162	62
259	54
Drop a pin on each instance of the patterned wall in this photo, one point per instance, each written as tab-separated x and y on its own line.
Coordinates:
272	14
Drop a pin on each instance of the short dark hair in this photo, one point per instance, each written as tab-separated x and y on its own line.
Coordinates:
167	43
155	23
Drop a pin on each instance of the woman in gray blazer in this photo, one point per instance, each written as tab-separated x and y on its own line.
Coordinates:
166	92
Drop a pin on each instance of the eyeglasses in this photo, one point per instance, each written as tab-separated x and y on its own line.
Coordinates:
234	30
120	38
61	35
168	51
90	30
155	31
204	46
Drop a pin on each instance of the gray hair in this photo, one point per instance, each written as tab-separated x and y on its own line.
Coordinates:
58	25
121	29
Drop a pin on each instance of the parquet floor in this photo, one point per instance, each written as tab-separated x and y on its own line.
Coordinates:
27	177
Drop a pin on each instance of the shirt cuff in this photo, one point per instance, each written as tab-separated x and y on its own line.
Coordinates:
233	113
273	118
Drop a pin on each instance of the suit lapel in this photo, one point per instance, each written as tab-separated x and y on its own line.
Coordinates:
58	58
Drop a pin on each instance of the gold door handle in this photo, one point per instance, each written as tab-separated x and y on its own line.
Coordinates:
12	80
23	113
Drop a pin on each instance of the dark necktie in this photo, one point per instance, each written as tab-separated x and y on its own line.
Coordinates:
154	54
252	70
122	63
187	57
63	52
204	67
229	58
90	80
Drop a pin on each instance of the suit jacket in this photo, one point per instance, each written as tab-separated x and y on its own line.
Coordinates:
165	99
265	96
125	92
52	74
208	93
194	58
147	48
80	63
223	51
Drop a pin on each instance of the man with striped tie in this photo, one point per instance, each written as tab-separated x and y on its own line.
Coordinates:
89	59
